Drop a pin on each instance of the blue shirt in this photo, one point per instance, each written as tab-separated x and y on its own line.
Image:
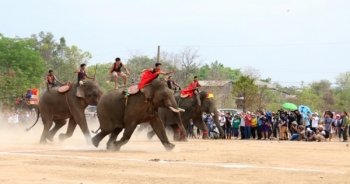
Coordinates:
307	120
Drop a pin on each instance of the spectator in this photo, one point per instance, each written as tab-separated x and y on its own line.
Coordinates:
314	121
294	131
275	125
317	136
328	125
228	125
242	126
236	122
214	134
284	127
344	126
264	127
254	126
308	134
258	116
248	125
338	124
222	120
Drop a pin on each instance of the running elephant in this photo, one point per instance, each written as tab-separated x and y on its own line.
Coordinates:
116	112
192	111
58	107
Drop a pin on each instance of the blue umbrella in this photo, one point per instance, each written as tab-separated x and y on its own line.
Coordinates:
304	110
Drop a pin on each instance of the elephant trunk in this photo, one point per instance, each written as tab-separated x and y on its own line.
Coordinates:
172	105
217	123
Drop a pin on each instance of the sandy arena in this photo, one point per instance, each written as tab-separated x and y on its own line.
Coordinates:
24	160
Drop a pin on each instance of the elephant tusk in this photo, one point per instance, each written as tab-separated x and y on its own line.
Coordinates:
173	109
181	110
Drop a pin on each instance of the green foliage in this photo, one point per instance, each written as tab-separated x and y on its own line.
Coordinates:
21	67
307	96
245	88
217	71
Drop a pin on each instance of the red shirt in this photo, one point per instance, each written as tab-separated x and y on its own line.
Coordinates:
248	120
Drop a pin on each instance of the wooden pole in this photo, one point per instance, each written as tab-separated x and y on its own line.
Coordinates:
158	54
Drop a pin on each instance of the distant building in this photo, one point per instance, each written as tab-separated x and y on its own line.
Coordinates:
221	90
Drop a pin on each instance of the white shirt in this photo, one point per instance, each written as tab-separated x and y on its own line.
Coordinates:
242	122
314	123
216	130
222	120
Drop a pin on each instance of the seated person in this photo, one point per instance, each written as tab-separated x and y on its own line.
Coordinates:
51	80
214	134
29	94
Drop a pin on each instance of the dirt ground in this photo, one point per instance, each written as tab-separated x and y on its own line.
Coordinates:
23	160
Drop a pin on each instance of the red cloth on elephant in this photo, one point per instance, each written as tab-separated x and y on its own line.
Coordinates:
189	89
147	77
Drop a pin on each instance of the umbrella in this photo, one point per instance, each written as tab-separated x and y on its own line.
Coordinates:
304	110
290	106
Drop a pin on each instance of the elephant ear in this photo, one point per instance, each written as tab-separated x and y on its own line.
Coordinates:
148	91
80	92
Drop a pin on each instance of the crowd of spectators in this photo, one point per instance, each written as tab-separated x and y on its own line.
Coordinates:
280	125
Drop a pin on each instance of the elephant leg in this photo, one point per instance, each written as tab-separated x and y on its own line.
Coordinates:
98	137
81	121
58	125
112	138
159	129
177	136
150	134
71	127
126	136
199	123
47	122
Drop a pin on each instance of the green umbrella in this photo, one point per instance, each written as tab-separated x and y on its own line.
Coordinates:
290	106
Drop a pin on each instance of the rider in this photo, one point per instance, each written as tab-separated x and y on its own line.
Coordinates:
82	74
116	72
50	80
193	88
29	94
149	75
172	84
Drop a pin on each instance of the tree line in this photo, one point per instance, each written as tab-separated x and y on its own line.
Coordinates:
24	63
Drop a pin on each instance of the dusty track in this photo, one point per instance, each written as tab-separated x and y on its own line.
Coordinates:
23	160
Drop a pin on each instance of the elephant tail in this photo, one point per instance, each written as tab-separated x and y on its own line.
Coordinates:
37	118
95	132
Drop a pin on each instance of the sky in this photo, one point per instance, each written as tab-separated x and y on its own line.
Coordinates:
288	41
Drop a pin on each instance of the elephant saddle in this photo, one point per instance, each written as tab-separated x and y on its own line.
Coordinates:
65	87
133	89
32	102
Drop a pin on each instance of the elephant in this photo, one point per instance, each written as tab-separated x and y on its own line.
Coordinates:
192	111
117	111
58	107
22	105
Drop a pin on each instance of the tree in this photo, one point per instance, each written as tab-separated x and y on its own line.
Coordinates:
252	72
190	62
308	97
21	67
246	90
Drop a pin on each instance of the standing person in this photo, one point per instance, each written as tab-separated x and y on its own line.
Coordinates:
82	74
298	117
291	118
258	117
306	121
328	125
116	72
172	84
284	127
248	125
338	123
228	125
235	123
242	126
314	121
50	80
222	120
264	126
254	126
193	89
345	125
